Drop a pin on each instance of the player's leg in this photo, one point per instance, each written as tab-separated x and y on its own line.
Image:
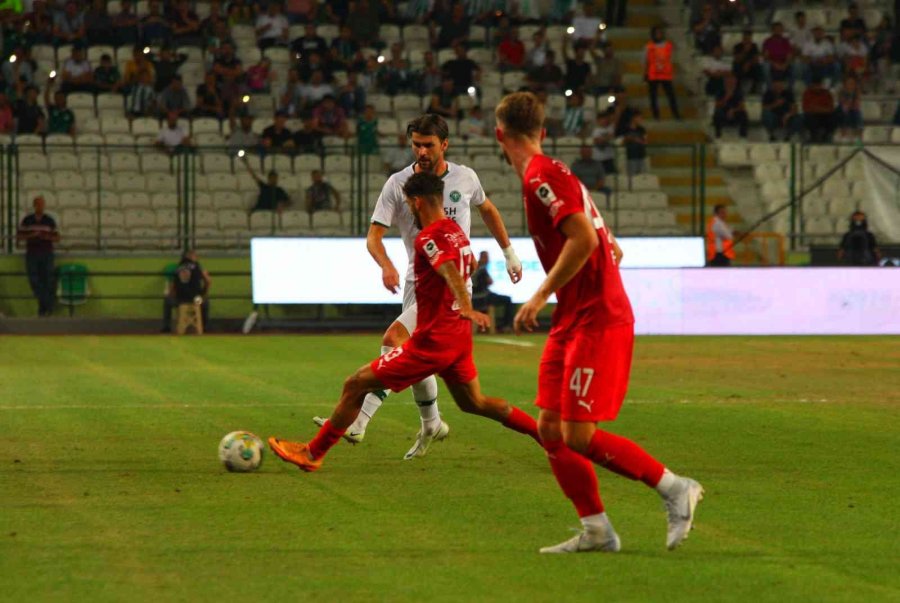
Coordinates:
470	399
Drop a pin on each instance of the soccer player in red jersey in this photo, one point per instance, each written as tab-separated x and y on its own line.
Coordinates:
441	343
584	370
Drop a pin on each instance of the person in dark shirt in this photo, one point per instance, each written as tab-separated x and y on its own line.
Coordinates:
166	64
453	29
853	24
730	108
307	139
277	137
209	102
321	196
99	25
155	29
61	119
635	137
29	113
745	63
271	196
188	281
577	68
548	76
107	77
443	100
483	298
185	25
589	170
343	49
125	24
308	43
39	233
462	70
858	245
779	111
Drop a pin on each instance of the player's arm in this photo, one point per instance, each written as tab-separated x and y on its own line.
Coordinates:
617	251
581	241
494	221
390	278
454	279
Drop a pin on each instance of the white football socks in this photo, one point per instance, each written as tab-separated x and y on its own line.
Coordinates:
371	403
425	395
666	483
596	523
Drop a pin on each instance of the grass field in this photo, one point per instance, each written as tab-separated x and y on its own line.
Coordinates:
110	489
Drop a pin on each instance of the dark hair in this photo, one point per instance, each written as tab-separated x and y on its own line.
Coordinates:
428	125
425	185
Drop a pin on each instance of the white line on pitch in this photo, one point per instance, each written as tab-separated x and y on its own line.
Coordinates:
504	341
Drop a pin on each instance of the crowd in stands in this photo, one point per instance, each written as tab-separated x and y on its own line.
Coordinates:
812	83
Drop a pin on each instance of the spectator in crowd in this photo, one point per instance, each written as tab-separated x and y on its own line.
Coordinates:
125	24
307	139
883	42
573	122
818	112
473	124
622	113
746	62
343	49
60	119
853	24
848	114
635	138
454	28
321	196
364	22
799	35
173	137
174	99
719	239
589	170
603	136
186	25
312	93
311	42
301	11
820	60
854	56
278	137
397	157
138	68
290	98
141	100
166	64
106	76
219	34
396	75
608	70
659	70
578	70
7	119
99	25
779	111
511	52
537	54
715	68
730	109
734	12
29	114
352	96
209	101
464	72
271	197
548	75
367	131
430	77
229	72
260	76
39	232
272	27
68	24
315	62
243	137
706	29
858	245
155	28
777	52
188	282
77	75
483	298
329	119
21	70
443	100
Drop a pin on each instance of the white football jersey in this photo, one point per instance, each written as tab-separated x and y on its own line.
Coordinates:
462	189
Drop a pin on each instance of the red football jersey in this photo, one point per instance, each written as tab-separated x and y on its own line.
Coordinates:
438	313
595	296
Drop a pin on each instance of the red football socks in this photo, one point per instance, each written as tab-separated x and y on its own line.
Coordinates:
522	422
327	437
624	457
575	475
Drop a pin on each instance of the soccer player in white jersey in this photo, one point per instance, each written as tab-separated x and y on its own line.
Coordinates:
428	135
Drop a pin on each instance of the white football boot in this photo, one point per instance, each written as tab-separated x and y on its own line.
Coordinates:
424	440
589	541
680	507
352	435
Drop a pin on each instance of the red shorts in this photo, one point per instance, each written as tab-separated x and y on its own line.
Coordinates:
584	375
418	358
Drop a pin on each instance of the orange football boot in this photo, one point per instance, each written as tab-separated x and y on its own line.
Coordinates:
296	453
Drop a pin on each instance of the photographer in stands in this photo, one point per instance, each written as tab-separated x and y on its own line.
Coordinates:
858	247
188	282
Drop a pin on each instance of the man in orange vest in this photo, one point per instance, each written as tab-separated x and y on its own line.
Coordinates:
719	239
659	70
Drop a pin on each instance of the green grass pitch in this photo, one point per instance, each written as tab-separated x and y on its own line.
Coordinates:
110	489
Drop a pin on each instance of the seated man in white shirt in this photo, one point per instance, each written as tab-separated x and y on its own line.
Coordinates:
77	75
819	58
715	68
311	94
272	27
173	137
800	35
397	157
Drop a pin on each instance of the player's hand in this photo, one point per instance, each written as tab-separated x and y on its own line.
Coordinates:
526	317
390	279
513	264
482	321
617	252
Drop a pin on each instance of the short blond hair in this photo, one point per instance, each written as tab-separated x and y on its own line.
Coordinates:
521	114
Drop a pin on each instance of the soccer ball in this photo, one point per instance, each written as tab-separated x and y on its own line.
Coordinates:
241	451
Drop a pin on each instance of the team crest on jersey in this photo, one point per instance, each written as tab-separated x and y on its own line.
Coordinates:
455	196
546	194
